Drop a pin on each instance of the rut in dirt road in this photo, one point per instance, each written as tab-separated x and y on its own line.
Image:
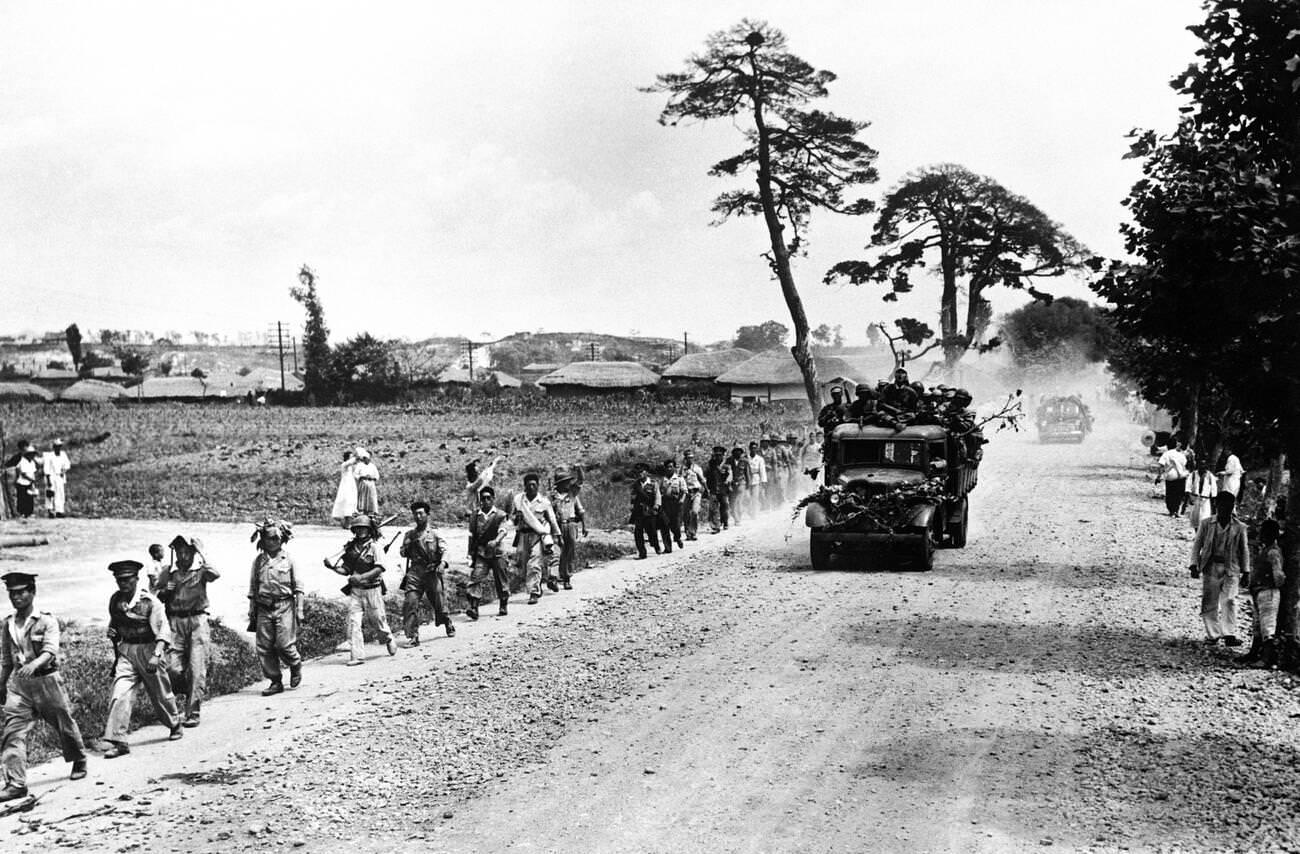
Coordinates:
1043	688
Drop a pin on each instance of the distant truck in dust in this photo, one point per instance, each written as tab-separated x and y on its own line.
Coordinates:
1063	419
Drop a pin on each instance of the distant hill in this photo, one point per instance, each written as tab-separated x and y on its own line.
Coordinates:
511	353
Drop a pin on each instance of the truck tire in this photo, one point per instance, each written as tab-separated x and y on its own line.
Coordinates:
819	553
957	530
925	552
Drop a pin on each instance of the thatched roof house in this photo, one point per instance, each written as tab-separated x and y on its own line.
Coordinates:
24	391
534	371
55	377
94	391
589	378
706	366
773	376
456	375
173	388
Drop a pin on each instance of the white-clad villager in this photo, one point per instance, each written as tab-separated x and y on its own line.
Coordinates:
367	478
55	465
345	499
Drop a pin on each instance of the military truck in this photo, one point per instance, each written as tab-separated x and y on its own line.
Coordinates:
1063	419
901	492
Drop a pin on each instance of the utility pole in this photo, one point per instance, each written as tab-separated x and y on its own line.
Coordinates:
293	340
279	338
592	348
686	348
470	347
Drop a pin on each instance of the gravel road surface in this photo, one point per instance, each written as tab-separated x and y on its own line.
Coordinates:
1045	688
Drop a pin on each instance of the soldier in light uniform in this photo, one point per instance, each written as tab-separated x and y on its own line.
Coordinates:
138	628
275	605
361	563
571	517
487	533
29	653
425	575
695	491
536	531
183	589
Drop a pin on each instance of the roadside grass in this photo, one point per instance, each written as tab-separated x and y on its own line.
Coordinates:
227	462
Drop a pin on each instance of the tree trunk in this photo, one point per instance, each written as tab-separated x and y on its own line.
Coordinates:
1189	416
1276	470
952	351
1286	615
781	253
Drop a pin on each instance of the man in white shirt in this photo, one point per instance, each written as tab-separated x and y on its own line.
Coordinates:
536	531
757	479
1230	477
54	466
1173	470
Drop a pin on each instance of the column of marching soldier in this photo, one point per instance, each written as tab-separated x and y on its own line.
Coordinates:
159	625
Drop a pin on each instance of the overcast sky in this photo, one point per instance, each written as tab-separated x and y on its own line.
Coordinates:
483	168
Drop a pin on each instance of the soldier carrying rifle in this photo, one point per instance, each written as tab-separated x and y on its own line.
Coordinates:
361	563
425	575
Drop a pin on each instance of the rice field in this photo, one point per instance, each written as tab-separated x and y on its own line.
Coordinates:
231	462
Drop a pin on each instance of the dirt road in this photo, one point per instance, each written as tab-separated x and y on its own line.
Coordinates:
1045	688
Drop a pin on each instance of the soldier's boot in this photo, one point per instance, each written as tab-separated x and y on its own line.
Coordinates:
451	630
13	793
295	675
471	609
502	611
1252	655
272	689
78	769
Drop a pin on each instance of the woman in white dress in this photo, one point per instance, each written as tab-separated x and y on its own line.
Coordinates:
345	500
367	476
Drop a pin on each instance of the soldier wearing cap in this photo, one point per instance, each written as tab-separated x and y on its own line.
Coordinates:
361	563
717	480
695	492
536	531
275	605
141	636
29	653
834	412
487	533
426	565
571	517
864	404
183	589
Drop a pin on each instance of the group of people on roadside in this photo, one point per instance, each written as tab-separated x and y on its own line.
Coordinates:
33	474
669	502
358	490
1236	546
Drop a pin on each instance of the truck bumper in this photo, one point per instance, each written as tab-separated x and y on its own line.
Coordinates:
849	541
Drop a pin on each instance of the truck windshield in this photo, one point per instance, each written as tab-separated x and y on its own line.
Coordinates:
898	453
